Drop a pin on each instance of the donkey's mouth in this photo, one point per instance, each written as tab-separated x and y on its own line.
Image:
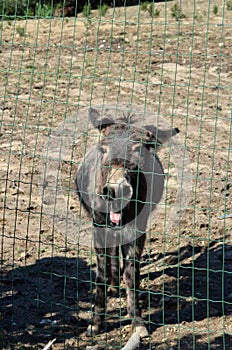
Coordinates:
115	218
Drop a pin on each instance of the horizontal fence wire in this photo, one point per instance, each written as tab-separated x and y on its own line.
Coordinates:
158	65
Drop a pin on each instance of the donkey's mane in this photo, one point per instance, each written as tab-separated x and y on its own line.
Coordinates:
126	117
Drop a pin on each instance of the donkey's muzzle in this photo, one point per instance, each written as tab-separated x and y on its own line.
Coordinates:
117	193
108	193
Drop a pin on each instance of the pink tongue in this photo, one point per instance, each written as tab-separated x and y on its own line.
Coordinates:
115	218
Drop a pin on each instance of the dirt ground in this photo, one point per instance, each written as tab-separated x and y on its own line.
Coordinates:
183	71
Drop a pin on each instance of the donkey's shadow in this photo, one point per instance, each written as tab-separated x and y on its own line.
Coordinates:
43	300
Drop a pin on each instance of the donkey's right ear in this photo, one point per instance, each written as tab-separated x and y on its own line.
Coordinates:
99	122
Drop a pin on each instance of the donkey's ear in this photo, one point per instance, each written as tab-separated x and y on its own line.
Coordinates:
98	121
162	135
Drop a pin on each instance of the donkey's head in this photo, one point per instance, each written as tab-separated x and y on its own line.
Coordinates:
123	151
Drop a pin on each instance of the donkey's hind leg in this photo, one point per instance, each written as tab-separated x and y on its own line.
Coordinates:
131	258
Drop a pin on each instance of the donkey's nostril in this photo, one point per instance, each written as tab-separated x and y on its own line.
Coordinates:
109	193
105	191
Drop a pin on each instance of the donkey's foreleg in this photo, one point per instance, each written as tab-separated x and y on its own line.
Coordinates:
102	279
115	271
131	254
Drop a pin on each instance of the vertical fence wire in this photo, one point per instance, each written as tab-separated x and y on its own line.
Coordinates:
59	59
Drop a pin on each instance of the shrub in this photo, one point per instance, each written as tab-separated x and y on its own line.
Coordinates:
144	5
150	8
20	31
152	11
215	10
229	5
176	12
86	10
13	8
43	10
103	9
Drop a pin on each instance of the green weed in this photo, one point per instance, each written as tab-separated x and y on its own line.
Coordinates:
229	5
215	10
29	13
103	9
150	8
44	10
152	11
144	5
176	12
20	31
86	10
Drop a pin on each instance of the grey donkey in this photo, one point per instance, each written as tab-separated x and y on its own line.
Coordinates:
119	183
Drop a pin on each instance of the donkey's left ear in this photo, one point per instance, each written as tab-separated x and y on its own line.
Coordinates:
98	121
161	136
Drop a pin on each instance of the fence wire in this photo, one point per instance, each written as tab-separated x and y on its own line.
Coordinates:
168	62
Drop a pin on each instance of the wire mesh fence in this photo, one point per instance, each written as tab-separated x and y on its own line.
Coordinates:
170	64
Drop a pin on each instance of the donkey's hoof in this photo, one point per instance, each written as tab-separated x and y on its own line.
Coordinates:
92	330
113	291
142	331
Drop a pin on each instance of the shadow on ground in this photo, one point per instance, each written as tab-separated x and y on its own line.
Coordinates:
41	301
45	300
196	287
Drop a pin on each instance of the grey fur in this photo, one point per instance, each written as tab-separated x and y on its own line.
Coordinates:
130	150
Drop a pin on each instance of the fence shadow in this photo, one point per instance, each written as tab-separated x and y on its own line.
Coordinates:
40	301
46	299
197	286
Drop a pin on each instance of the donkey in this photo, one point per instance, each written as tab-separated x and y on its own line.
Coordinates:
119	183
